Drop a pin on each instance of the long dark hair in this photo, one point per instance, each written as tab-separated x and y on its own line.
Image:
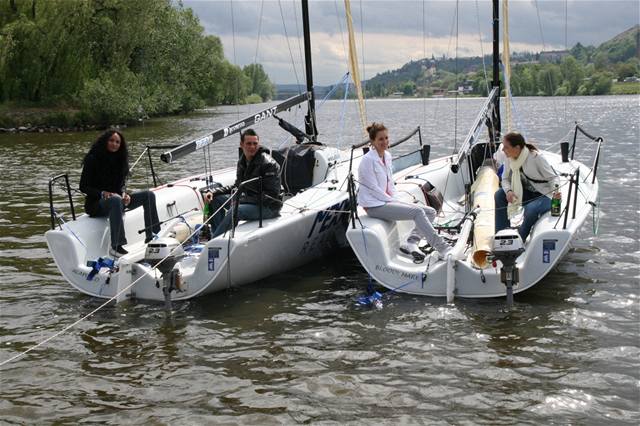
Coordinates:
99	150
516	139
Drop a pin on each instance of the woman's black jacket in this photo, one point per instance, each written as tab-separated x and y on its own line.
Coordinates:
100	173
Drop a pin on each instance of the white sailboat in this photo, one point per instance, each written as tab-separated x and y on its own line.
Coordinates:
481	265
311	223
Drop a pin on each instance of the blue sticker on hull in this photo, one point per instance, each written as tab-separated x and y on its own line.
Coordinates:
214	253
547	246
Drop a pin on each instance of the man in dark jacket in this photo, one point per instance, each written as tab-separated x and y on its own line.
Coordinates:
254	162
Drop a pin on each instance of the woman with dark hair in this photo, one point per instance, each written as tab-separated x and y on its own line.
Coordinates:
376	194
528	181
104	172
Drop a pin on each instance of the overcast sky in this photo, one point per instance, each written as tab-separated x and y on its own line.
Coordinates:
398	31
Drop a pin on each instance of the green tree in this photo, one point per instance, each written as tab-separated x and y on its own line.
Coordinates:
259	81
627	69
548	79
408	88
572	75
150	57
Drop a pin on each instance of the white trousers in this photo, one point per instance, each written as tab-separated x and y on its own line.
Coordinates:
421	215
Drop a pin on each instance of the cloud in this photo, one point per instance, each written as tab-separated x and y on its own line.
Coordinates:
398	31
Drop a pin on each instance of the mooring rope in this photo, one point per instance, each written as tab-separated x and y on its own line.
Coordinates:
114	297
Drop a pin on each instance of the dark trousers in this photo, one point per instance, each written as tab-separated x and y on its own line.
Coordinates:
534	205
114	208
221	221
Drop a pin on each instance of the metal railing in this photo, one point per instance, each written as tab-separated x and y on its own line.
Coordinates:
52	211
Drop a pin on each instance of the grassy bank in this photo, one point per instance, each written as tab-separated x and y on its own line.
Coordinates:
631	88
16	116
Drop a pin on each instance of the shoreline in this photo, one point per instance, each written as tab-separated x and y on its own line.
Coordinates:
48	120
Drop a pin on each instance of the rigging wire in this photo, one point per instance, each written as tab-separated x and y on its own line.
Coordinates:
447	55
298	37
566	48
535	2
426	65
255	57
286	36
364	70
235	62
344	45
484	64
455	125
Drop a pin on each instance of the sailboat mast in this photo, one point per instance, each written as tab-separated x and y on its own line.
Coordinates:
310	119
495	132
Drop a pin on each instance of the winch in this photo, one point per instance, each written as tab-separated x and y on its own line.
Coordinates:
171	251
507	247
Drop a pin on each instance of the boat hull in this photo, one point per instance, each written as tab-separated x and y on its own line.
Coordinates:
375	242
311	224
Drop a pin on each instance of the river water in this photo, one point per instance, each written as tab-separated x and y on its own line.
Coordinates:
295	348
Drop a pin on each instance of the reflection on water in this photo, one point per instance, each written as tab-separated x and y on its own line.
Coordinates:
295	348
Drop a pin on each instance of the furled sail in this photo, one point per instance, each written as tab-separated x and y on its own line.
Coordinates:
353	67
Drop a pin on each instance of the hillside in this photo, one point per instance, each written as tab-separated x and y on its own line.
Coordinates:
581	70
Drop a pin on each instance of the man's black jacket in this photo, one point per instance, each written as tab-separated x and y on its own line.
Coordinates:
263	165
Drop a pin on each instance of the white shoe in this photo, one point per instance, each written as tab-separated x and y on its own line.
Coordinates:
442	255
412	250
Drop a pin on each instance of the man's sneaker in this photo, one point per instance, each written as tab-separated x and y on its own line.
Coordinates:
442	255
412	250
117	251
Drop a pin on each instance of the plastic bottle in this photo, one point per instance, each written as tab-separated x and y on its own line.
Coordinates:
556	202
205	230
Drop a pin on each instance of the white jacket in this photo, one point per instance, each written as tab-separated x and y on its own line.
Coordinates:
376	187
534	167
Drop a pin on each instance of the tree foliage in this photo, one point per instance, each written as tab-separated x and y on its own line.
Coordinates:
117	60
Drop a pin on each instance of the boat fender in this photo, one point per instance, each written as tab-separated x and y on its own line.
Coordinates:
182	230
96	265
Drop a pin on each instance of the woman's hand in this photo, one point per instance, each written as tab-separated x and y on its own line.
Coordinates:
511	196
126	199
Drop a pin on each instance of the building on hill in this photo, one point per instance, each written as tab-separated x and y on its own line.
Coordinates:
553	56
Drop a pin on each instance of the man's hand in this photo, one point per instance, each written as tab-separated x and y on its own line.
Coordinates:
511	196
126	199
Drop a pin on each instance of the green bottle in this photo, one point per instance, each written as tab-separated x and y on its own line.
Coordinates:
205	231
556	202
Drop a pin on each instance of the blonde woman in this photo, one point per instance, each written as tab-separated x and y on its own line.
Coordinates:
377	192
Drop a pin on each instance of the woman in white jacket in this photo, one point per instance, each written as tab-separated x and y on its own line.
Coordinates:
377	191
528	181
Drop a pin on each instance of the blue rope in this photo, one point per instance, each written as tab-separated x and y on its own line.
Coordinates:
333	89
374	298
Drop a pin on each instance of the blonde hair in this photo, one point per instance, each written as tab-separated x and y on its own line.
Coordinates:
374	128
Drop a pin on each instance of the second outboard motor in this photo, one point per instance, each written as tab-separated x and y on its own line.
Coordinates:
507	247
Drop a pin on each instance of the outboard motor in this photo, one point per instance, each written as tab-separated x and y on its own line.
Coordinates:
172	250
507	246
